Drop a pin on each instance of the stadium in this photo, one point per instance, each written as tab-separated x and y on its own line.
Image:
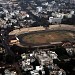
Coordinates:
47	37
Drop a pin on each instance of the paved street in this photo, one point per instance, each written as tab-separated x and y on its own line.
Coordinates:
4	43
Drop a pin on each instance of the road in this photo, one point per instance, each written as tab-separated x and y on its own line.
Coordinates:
5	43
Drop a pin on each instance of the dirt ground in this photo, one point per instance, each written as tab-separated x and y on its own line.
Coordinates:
48	37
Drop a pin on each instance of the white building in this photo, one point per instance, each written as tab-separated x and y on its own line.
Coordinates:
52	54
43	58
34	72
13	73
55	20
7	72
70	51
39	9
72	12
38	68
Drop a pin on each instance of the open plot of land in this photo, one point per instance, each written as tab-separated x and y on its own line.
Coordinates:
47	37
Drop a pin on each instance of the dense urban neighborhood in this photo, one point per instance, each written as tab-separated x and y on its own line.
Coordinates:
37	37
